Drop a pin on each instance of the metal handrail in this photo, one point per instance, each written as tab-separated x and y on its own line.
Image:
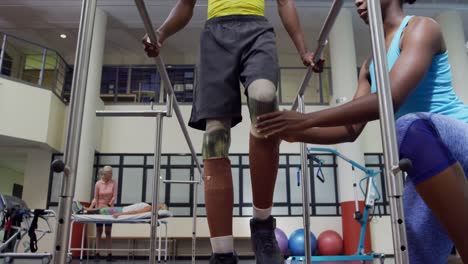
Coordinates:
321	44
171	103
166	81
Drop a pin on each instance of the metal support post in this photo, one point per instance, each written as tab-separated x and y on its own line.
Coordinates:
71	152
393	177
305	191
155	200
2	51
171	102
41	73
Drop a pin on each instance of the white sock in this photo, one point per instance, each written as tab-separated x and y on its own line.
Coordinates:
221	245
261	214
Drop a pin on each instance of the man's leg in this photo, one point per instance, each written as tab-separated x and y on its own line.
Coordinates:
263	152
263	155
219	194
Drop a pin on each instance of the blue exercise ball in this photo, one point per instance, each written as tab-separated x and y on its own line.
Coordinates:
296	243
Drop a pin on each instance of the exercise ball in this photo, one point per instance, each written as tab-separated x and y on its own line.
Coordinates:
296	243
282	241
330	243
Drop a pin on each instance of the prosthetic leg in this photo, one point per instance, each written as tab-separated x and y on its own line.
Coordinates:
219	194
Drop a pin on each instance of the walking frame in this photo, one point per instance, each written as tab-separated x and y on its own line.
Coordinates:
393	175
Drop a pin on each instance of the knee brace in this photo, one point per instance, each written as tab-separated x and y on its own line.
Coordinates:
262	98
218	185
216	144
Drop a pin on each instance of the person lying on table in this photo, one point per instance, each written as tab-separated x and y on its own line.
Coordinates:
137	208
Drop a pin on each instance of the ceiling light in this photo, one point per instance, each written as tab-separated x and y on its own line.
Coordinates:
64	36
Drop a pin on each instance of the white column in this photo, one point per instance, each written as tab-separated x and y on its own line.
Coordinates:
90	134
36	178
454	35
344	77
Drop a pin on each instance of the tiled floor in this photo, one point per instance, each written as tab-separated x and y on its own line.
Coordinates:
120	261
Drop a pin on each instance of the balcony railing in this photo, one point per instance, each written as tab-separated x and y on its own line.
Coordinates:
32	63
25	61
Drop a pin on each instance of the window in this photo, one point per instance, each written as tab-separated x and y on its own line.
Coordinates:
7	64
66	92
134	175
145	83
182	80
318	90
142	84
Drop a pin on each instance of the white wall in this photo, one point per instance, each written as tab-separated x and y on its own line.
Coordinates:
31	113
35	183
9	177
371	138
57	117
136	135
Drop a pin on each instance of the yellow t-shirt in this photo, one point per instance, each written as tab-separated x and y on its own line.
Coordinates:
217	8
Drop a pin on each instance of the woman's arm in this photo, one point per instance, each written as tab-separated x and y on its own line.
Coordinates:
339	134
96	196
114	195
422	40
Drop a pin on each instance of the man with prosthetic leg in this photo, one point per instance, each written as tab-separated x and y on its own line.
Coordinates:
237	46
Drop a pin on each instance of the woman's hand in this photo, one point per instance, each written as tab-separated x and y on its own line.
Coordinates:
282	123
116	215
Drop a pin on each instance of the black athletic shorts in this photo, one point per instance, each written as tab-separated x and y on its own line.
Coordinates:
233	49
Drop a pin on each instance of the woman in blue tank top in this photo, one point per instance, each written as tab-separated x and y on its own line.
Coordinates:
432	130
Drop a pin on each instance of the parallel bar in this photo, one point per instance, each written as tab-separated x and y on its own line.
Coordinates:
305	189
322	42
194	219
137	113
158	60
167	83
71	152
394	180
181	182
2	52
155	200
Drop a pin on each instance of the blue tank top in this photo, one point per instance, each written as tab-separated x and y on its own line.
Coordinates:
435	93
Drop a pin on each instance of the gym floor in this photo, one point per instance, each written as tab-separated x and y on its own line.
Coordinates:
387	261
19	261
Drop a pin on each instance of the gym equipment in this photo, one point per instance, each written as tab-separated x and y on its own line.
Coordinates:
371	193
17	221
74	134
296	242
329	243
393	176
393	169
282	239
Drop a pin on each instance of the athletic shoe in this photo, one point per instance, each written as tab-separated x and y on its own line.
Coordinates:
264	242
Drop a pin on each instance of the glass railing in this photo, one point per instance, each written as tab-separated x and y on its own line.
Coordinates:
32	63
